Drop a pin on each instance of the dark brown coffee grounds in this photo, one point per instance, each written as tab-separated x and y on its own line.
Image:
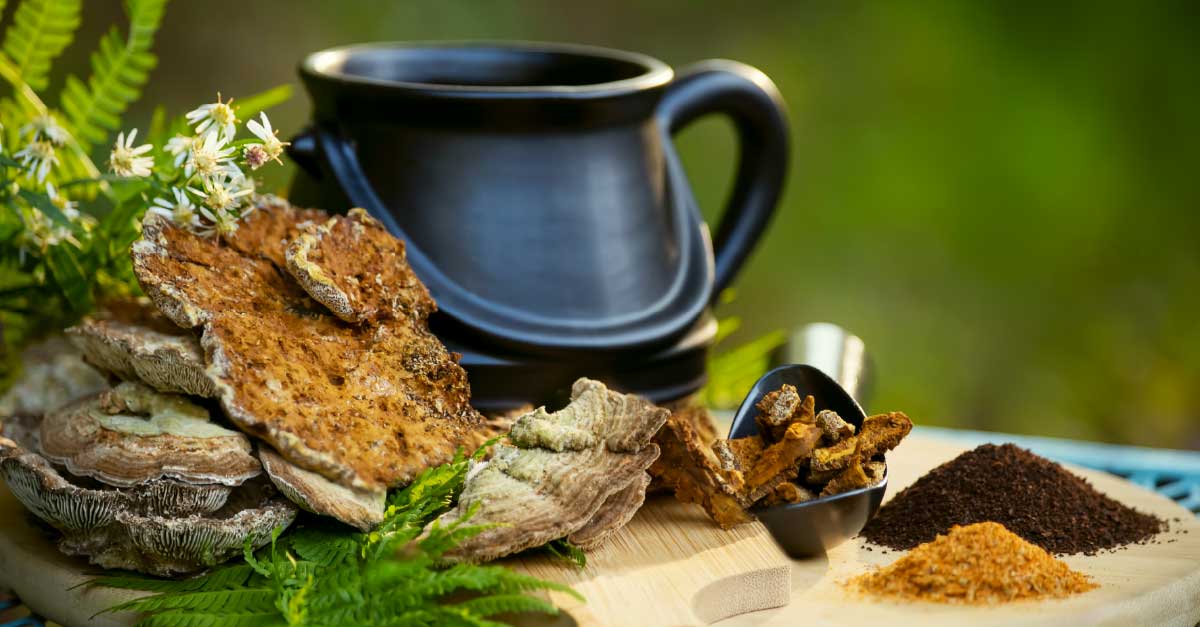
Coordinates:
1032	496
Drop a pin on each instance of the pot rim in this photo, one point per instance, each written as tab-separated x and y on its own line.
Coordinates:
326	64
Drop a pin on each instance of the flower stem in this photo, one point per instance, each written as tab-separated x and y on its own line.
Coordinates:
10	73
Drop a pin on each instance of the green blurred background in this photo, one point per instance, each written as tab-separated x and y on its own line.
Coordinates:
1001	198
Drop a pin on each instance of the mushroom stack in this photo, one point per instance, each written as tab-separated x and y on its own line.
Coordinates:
132	477
288	362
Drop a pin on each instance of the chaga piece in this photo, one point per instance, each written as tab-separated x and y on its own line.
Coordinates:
882	433
131	434
690	468
816	479
617	510
726	458
780	408
833	427
777	463
746	450
559	472
834	457
366	405
787	493
353	266
698	418
875	471
851	478
134	342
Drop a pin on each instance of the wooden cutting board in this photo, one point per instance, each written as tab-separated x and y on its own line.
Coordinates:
670	566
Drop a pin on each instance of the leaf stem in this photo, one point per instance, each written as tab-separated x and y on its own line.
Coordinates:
10	73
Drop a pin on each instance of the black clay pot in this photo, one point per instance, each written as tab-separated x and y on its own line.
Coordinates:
540	196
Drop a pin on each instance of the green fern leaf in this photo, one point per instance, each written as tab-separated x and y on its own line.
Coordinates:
176	618
324	546
506	603
248	600
120	68
228	578
40	30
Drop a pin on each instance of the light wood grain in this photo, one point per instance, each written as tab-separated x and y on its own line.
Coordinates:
670	566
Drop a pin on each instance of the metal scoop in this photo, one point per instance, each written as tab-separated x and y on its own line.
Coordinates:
811	527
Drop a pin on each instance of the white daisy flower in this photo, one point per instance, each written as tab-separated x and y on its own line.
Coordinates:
223	223
214	117
181	147
270	148
37	158
223	194
179	209
208	156
69	208
126	160
45	127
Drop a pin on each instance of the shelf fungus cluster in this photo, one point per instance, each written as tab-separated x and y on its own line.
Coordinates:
578	473
799	454
141	480
286	363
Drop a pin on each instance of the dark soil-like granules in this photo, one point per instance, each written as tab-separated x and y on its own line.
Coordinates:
1033	497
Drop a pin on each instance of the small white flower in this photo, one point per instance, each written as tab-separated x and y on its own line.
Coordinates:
181	147
178	209
37	158
209	156
45	127
255	156
224	193
126	160
223	223
214	117
271	147
69	208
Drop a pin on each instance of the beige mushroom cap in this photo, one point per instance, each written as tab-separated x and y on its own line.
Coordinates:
131	434
169	360
162	527
319	495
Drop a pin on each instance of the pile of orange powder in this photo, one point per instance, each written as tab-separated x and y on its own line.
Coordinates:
979	564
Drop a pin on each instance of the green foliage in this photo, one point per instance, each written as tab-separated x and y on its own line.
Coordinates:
120	69
733	371
324	574
567	552
40	31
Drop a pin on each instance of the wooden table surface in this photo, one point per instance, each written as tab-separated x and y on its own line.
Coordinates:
670	566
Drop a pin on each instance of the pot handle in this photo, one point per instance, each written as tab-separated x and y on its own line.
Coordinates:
754	104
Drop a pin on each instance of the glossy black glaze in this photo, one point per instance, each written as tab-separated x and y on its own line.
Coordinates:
537	188
813	527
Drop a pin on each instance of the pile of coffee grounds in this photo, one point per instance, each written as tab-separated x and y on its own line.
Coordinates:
1032	496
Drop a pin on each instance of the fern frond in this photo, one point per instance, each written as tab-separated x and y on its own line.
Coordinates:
120	68
567	552
506	604
40	30
177	618
247	600
228	578
323	546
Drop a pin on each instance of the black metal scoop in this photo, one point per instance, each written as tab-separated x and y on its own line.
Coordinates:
812	527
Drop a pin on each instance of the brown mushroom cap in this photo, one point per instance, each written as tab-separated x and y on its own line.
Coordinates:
69	506
131	434
162	527
167	359
319	495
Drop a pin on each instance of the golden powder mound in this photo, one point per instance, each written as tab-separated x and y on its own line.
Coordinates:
979	564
